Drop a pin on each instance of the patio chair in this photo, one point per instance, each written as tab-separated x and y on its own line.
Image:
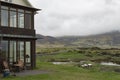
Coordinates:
20	66
5	65
6	69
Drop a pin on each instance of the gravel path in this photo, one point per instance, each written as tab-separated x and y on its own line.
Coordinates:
30	72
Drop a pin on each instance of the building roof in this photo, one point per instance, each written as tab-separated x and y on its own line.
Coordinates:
22	3
28	3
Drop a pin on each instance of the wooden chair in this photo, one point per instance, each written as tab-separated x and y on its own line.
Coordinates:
19	66
5	65
7	68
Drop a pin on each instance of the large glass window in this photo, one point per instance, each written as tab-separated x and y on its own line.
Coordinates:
12	55
4	48
13	51
21	18
13	18
28	20
21	50
4	16
28	52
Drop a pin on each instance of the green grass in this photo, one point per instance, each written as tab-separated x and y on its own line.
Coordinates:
48	50
80	54
70	72
63	72
67	72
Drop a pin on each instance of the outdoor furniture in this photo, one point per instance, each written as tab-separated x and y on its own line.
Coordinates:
19	66
5	65
6	71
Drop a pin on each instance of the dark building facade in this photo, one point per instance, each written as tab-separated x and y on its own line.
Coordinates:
17	33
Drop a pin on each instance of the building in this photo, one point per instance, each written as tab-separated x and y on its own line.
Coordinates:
17	33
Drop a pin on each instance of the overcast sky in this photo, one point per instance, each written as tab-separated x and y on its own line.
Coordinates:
76	17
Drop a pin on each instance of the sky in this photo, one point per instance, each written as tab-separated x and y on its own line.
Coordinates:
76	17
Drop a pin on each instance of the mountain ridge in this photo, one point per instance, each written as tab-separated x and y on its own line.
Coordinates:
109	39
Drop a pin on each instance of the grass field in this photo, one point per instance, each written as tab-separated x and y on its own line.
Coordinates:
63	72
70	71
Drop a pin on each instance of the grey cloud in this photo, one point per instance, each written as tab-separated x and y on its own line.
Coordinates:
77	17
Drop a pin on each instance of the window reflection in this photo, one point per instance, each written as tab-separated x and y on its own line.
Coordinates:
28	52
28	20
13	51
4	16
21	50
4	49
12	55
13	17
21	18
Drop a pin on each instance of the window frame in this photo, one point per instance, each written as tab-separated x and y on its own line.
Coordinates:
25	12
12	10
7	15
30	14
19	19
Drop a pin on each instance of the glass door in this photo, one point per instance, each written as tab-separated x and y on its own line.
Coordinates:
21	50
12	55
4	49
28	53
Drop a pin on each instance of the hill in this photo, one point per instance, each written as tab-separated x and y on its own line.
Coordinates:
110	39
48	41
